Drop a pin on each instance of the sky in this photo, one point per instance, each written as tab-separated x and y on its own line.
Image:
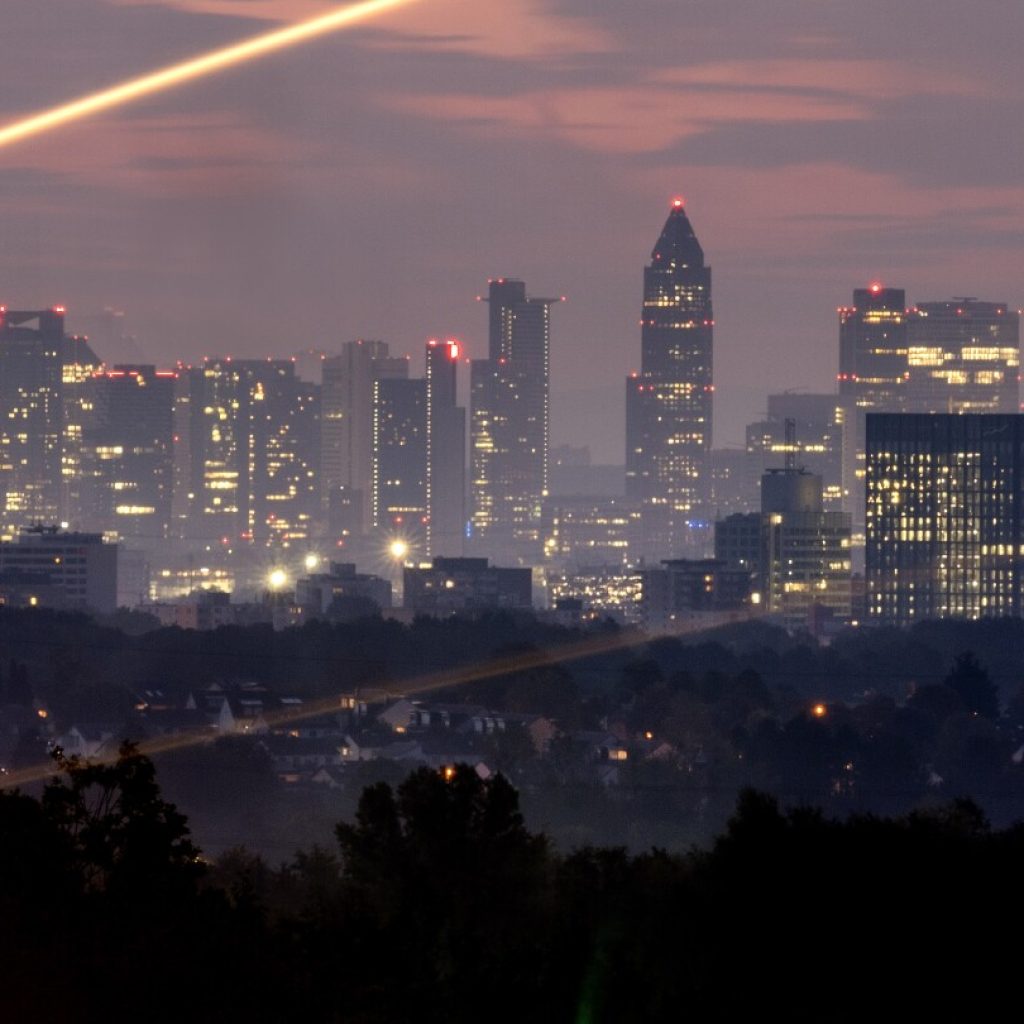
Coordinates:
367	184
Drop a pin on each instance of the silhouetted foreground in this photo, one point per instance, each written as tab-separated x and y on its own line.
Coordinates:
439	905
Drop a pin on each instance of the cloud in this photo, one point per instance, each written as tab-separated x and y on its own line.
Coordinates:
622	120
506	30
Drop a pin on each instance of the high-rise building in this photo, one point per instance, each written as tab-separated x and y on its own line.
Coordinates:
963	356
127	463
400	460
511	432
31	417
251	450
804	428
797	552
945	534
805	551
79	366
669	402
446	451
346	425
873	376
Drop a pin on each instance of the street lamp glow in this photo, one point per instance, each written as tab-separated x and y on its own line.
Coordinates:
311	561
277	579
398	549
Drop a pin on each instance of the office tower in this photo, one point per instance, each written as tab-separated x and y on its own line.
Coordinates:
346	426
805	551
944	523
591	531
873	374
511	424
797	552
128	453
399	489
806	427
79	366
963	356
252	464
873	349
668	403
31	418
446	451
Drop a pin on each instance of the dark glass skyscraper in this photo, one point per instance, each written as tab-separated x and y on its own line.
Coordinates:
400	459
669	402
446	451
511	433
945	531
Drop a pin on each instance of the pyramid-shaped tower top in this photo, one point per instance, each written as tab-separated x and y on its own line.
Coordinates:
677	243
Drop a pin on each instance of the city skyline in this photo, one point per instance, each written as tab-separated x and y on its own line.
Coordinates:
534	141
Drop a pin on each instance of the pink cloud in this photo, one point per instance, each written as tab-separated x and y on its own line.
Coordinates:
521	29
629	119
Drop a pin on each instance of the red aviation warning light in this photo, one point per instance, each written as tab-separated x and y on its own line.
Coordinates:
454	348
875	288
677	203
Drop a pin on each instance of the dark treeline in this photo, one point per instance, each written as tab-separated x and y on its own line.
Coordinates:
76	661
436	903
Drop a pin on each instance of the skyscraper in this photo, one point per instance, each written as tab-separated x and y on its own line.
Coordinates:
511	432
127	463
873	375
31	418
945	535
669	402
346	426
400	460
446	451
963	355
252	459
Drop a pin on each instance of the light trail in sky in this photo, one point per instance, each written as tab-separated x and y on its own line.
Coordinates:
197	67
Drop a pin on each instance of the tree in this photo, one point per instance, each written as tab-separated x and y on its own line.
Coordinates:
972	683
447	885
126	840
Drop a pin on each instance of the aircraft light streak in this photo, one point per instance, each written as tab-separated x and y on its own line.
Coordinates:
197	67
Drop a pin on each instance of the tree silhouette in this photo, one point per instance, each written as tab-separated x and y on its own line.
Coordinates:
972	683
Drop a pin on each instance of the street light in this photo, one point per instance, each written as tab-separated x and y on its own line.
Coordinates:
398	549
311	561
277	579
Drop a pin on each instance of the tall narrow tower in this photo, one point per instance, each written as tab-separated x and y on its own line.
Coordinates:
511	424
669	402
446	451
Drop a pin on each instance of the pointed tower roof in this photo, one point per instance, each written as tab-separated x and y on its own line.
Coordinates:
677	243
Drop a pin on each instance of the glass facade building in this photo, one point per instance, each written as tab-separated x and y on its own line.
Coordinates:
511	425
669	402
945	498
963	355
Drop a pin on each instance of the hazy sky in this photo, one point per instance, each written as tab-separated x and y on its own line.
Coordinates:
369	183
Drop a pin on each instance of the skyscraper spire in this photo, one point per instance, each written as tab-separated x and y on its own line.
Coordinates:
668	404
677	245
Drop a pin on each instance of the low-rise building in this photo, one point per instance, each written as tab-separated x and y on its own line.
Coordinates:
455	585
